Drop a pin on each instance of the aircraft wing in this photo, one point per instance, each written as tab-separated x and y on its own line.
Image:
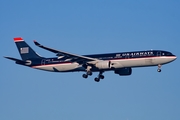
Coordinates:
72	57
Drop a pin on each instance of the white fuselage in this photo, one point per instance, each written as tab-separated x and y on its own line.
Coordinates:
120	63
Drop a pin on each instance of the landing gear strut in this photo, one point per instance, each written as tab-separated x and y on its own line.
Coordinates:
100	76
88	72
159	68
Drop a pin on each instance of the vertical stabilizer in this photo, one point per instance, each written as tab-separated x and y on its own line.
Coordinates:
25	51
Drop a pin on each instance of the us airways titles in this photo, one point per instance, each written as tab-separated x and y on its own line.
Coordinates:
135	54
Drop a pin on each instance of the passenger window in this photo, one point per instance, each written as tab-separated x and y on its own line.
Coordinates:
158	53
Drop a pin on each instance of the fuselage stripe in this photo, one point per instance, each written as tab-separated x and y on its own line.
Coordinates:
120	59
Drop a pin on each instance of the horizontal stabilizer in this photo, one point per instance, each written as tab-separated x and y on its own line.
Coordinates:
17	60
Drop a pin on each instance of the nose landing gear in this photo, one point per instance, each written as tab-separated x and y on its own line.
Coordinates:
159	68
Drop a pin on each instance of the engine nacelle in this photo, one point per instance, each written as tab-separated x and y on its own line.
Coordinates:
123	71
103	65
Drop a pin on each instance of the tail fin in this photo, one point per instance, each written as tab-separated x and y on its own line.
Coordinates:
25	50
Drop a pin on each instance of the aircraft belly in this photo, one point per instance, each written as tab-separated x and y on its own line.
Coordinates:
137	62
131	63
162	60
145	62
46	68
141	62
59	68
66	67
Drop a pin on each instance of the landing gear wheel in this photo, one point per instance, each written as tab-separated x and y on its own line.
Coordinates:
96	79
85	76
101	76
159	70
89	73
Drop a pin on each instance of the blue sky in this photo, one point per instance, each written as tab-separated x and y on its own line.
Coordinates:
87	27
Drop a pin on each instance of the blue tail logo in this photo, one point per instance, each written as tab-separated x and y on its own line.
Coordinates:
25	51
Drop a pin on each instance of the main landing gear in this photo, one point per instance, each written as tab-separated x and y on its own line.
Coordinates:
88	73
97	79
159	68
100	76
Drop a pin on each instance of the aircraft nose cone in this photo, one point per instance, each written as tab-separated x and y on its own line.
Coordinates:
174	58
171	59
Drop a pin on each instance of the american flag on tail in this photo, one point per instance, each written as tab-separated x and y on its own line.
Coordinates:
24	50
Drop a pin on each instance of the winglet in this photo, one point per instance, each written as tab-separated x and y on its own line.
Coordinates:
36	43
18	39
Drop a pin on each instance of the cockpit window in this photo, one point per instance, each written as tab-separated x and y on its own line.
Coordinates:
169	54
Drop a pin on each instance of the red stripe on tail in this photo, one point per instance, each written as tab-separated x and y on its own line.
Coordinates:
18	39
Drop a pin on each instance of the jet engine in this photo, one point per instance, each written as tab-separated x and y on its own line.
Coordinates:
123	71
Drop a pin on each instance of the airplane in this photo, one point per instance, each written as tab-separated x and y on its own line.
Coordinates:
121	62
